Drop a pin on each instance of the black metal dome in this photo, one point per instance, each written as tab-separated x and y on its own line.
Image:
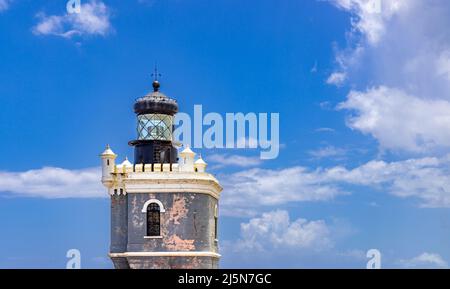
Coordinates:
156	102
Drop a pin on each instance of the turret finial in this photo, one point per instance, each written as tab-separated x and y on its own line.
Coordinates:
155	76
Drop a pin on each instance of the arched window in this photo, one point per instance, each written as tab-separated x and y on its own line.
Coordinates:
153	220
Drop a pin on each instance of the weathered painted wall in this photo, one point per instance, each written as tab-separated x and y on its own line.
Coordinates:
119	223
186	225
119	229
173	263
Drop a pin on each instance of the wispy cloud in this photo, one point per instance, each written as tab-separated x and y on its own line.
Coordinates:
326	105
274	240
443	65
424	261
314	68
50	182
398	51
253	190
425	179
327	152
399	120
274	230
223	160
337	78
93	19
325	129
4	4
371	17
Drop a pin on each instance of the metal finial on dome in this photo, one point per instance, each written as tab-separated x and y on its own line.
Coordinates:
155	76
156	85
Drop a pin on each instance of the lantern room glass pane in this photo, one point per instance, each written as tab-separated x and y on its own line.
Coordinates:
155	127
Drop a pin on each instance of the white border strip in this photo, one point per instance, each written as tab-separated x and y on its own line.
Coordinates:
165	254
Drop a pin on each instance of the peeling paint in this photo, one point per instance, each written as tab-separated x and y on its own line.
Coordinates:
134	205
178	210
175	243
186	225
137	217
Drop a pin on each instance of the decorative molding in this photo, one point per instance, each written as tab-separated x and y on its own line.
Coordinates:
173	188
165	182
161	206
165	254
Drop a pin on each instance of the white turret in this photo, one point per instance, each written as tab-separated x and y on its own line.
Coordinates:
108	163
125	166
200	165
126	163
187	160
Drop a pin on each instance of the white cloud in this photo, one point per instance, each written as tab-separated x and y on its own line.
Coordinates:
403	51
274	240
354	254
50	182
4	5
92	20
398	120
274	230
327	152
314	68
425	260
424	179
325	129
370	17
244	192
247	192
223	160
443	65
336	78
253	188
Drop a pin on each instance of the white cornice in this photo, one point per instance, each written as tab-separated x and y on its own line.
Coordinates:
165	254
208	189
166	182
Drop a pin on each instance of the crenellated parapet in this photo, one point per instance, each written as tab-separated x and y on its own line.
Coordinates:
187	175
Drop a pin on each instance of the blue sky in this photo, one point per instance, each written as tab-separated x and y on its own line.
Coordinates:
364	124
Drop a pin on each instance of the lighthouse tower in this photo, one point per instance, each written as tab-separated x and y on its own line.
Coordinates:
164	208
